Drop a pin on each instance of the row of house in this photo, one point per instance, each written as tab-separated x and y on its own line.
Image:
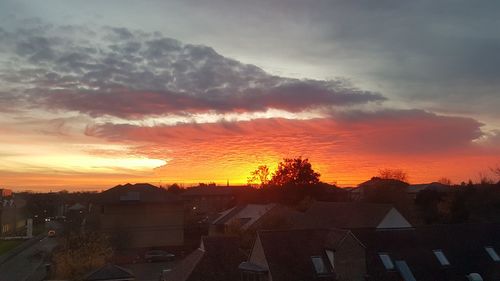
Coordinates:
146	216
346	241
327	241
442	252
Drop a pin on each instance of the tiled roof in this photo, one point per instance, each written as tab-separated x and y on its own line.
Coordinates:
216	260
288	252
110	272
251	211
343	215
463	245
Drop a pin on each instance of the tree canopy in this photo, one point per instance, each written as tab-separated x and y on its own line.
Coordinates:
294	172
260	176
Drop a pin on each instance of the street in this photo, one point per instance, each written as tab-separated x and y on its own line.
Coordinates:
28	265
25	264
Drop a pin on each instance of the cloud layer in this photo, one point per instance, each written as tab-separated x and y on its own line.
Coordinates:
118	72
114	103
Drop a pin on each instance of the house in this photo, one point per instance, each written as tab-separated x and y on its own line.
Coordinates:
414	189
141	216
216	259
12	213
110	272
305	254
376	187
209	200
349	215
438	252
241	217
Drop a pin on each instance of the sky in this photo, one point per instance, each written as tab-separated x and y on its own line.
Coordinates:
99	93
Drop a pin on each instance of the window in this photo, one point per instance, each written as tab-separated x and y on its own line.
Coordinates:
386	260
493	254
405	271
319	265
441	257
331	257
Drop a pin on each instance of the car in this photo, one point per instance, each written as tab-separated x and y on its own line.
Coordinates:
51	233
158	255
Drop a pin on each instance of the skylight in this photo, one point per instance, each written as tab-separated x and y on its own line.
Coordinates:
493	254
319	265
441	257
386	260
405	271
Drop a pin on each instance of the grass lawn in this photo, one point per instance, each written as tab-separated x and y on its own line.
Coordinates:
6	245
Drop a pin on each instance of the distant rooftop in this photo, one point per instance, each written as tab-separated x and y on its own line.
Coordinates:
213	190
346	215
138	193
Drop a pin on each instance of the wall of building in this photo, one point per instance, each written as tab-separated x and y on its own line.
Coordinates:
258	257
394	219
350	260
144	225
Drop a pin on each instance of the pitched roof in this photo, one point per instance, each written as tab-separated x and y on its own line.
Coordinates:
217	259
463	245
252	212
136	193
343	215
110	272
288	252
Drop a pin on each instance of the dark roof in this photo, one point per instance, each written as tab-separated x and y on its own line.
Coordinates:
343	215
217	259
110	272
213	190
136	193
380	182
436	186
288	252
462	244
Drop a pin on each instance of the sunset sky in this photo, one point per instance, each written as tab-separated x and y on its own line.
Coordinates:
99	93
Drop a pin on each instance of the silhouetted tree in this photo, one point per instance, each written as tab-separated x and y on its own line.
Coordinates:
174	188
393	174
445	181
259	176
296	171
496	171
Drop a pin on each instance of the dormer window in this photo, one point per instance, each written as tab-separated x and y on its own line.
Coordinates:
493	254
320	266
386	260
441	257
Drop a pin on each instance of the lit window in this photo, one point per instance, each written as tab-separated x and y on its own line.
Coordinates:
441	257
493	254
319	265
386	260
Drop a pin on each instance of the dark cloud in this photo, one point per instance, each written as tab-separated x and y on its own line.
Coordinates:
131	74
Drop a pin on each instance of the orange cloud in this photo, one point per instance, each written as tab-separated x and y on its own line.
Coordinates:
346	148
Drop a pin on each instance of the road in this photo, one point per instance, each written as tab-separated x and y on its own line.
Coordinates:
28	265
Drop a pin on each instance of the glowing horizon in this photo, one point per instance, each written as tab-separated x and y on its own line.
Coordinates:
87	103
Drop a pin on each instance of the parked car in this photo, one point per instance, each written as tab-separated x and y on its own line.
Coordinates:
158	255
